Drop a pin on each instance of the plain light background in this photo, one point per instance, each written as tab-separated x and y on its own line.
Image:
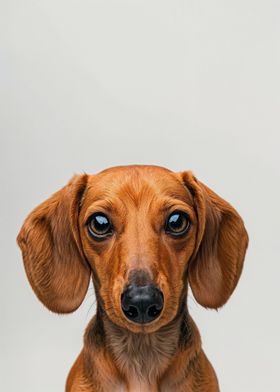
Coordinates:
184	84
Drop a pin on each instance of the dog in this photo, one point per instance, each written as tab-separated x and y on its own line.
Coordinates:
143	234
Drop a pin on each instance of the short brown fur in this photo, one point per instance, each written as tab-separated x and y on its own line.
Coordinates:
60	257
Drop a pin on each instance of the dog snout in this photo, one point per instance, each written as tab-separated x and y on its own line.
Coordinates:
142	304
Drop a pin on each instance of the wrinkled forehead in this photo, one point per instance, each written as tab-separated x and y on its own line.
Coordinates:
138	185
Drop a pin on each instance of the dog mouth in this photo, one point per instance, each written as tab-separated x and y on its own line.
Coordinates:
142	304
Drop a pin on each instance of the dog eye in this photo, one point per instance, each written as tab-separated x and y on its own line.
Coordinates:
178	223
99	226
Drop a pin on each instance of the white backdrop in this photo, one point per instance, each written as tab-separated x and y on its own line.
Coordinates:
188	84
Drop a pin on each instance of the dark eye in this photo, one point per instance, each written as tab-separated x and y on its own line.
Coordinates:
99	226
178	223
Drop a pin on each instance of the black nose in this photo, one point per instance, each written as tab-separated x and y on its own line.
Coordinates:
142	304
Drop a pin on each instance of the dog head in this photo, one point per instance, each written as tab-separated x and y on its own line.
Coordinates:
143	233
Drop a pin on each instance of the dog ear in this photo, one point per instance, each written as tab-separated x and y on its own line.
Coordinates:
50	243
222	240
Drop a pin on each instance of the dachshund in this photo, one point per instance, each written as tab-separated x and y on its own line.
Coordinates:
143	234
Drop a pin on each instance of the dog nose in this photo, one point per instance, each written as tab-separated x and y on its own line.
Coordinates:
142	304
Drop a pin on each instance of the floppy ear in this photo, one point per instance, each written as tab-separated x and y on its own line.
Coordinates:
50	243
222	240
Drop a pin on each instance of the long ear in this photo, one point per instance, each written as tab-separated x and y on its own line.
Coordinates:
50	243
222	241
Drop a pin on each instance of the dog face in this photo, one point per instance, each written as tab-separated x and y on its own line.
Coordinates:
142	233
140	247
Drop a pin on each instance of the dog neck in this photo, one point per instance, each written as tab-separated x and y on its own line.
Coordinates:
142	358
143	355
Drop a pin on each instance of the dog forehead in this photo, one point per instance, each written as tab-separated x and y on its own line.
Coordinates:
136	181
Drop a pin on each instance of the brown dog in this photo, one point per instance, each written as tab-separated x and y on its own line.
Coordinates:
143	233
